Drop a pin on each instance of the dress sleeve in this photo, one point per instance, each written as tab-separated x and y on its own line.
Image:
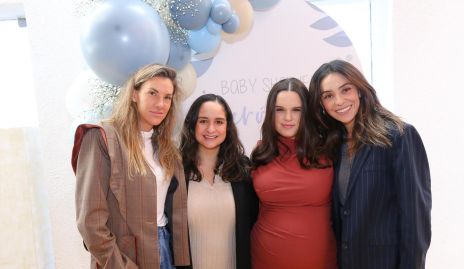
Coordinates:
412	180
92	175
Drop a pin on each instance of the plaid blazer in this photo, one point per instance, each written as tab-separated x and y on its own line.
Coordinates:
116	214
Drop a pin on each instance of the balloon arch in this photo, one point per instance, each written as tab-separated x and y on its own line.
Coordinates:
120	36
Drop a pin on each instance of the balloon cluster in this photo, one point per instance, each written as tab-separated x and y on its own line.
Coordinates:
120	36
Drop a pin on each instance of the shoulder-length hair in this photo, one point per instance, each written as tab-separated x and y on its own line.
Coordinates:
232	164
307	139
125	119
372	122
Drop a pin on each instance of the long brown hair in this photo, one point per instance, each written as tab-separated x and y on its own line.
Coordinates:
372	123
307	139
232	164
125	119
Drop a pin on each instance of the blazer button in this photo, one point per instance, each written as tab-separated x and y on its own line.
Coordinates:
346	212
344	246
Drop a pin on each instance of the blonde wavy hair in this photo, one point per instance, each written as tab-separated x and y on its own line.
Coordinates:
125	119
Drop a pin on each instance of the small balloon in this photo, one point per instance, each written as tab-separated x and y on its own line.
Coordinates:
179	55
213	27
221	11
244	11
120	36
263	5
190	14
231	25
203	41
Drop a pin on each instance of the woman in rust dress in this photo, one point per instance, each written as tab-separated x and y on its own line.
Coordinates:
293	183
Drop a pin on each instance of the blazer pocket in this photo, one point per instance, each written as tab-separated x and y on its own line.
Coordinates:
128	246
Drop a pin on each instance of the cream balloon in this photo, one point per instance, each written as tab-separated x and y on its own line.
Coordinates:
187	78
244	11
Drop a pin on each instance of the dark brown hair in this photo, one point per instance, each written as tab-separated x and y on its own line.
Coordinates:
232	164
372	122
307	139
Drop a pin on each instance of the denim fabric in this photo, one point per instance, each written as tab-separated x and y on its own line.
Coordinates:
164	239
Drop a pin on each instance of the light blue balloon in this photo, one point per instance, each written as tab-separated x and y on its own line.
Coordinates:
202	41
232	24
221	11
179	55
263	5
121	36
190	14
213	27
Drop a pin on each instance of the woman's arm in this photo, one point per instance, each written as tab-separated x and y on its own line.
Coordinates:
412	179
92	174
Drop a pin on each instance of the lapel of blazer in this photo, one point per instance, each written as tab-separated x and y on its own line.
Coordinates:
179	233
358	162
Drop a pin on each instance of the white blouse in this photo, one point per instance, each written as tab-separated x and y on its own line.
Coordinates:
162	184
211	219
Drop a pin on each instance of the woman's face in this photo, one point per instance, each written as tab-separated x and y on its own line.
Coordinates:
340	99
153	99
287	114
211	126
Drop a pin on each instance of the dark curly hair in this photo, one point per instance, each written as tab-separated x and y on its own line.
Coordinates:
307	139
232	164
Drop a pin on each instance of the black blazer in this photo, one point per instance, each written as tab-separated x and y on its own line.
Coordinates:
385	222
246	213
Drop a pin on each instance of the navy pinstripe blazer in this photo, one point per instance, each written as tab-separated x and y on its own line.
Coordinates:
385	222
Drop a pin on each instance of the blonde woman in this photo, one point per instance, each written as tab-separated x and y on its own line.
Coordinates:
131	194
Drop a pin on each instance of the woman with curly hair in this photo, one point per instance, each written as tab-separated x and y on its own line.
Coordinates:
222	205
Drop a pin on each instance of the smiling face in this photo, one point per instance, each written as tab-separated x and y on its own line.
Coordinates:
340	99
211	126
153	100
287	114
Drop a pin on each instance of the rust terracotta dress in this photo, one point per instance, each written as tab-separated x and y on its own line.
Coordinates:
293	230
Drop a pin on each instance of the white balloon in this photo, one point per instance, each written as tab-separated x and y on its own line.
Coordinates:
79	95
187	79
81	119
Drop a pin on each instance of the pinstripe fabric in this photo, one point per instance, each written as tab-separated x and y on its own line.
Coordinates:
385	222
116	216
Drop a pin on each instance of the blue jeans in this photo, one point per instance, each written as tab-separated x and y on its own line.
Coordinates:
164	240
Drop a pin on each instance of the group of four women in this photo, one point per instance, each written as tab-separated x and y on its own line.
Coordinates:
336	181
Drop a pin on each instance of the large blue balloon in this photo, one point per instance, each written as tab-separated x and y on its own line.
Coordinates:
263	5
179	55
190	14
121	36
202	41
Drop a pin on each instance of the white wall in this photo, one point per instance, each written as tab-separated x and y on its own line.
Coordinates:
53	31
428	54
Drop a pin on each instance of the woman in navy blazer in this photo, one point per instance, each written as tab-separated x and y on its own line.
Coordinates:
381	196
